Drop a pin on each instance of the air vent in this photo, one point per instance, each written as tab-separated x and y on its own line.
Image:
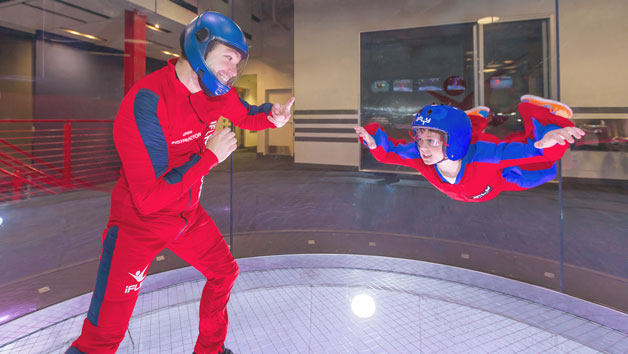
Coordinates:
83	9
54	12
184	4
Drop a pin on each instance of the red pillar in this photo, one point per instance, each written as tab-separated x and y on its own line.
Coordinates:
134	48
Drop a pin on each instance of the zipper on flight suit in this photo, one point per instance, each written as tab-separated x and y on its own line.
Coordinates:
183	217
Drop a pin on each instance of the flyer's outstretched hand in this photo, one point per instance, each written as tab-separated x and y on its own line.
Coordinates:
559	136
281	113
368	139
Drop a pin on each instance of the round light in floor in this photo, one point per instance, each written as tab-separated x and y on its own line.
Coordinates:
363	306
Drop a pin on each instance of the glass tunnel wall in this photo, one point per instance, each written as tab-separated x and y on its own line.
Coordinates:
311	187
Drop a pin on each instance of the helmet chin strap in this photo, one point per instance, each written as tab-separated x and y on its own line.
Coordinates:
204	88
443	159
444	156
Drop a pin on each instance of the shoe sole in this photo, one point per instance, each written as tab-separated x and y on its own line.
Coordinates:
479	110
554	106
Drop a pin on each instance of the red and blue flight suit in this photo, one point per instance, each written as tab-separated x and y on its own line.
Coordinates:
489	166
160	133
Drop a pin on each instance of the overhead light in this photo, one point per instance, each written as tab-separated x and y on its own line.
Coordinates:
489	70
171	54
487	20
156	27
136	41
1	220
363	306
77	33
109	54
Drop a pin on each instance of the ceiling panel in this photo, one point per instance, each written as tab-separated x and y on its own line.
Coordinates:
65	8
23	15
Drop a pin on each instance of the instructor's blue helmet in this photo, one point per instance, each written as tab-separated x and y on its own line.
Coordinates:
200	36
450	120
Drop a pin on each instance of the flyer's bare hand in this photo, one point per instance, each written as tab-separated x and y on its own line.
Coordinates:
559	136
368	139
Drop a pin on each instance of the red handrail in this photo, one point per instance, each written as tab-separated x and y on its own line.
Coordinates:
50	162
55	121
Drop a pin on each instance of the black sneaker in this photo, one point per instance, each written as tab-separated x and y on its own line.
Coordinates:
223	351
226	350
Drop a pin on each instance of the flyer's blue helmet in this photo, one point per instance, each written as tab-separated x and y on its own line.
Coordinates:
200	36
450	120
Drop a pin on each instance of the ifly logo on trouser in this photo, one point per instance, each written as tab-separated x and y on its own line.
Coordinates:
487	190
139	276
134	287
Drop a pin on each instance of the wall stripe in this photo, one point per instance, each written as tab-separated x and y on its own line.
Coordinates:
325	121
326	125
324	130
325	111
600	109
326	139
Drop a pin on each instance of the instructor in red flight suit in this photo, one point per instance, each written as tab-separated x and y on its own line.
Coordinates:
165	135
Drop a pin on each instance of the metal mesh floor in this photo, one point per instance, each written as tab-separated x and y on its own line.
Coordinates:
302	304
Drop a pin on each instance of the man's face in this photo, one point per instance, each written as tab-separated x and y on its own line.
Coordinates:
430	145
223	62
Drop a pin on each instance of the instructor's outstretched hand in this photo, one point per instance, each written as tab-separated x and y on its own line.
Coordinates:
222	143
281	113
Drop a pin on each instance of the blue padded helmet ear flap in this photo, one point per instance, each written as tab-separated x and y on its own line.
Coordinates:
450	120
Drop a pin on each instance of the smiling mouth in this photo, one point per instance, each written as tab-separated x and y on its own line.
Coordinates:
223	78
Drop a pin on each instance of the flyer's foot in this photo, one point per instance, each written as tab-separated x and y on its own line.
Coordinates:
482	111
555	107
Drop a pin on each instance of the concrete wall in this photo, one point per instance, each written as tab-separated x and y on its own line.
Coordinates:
268	78
242	12
593	53
248	138
593	50
327	59
16	92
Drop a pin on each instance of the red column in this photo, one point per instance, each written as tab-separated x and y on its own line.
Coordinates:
134	48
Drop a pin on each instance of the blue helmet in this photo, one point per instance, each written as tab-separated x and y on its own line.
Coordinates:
449	120
199	37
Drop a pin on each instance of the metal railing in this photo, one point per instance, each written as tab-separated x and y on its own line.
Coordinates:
43	157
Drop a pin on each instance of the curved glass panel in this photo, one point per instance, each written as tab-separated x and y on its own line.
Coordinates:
95	157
